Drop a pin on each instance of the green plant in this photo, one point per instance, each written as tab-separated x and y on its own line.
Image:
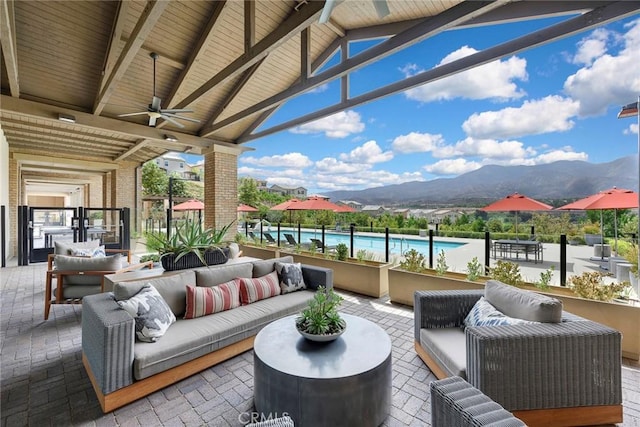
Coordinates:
631	255
545	279
361	255
507	272
474	269
189	237
441	264
590	285
150	257
313	248
342	252
413	261
321	315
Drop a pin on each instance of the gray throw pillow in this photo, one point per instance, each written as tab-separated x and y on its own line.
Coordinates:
290	277
151	313
262	268
523	304
65	248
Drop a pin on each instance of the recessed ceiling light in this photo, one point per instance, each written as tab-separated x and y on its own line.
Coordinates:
170	138
68	118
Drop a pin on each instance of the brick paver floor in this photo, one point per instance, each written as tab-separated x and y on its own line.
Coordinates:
44	381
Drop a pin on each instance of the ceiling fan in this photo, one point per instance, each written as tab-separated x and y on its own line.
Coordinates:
155	111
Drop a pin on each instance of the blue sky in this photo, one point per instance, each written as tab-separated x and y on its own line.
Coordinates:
554	102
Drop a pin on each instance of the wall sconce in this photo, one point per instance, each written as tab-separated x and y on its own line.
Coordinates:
67	118
170	138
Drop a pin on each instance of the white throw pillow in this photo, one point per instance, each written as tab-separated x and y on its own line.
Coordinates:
151	313
484	314
290	277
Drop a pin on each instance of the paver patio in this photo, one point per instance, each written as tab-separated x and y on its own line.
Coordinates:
44	382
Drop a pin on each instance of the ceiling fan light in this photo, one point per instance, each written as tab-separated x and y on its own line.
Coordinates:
170	138
67	118
155	114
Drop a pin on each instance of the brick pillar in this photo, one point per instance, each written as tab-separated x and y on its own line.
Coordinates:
221	187
123	189
12	208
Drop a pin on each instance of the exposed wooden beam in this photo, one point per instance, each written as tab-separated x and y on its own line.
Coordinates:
333	26
145	24
139	144
8	43
597	17
114	40
300	19
264	116
425	29
249	25
56	162
305	54
164	59
194	58
344	82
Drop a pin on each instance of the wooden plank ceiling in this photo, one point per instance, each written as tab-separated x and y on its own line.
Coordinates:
232	62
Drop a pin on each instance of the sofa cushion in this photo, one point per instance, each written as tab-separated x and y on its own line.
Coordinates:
202	300
188	339
523	304
262	268
447	347
484	314
151	313
66	247
290	277
98	252
172	287
73	263
211	276
252	290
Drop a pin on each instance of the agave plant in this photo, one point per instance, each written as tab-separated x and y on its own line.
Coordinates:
190	237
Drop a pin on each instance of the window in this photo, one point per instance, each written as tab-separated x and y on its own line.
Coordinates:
166	163
181	165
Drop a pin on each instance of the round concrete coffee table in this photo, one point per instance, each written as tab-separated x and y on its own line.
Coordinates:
346	382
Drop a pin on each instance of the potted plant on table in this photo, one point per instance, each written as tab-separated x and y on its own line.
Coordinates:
191	246
320	321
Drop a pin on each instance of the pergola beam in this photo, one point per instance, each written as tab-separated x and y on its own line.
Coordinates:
8	43
139	144
114	40
145	24
425	29
596	17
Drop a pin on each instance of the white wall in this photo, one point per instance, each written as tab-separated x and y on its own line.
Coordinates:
4	183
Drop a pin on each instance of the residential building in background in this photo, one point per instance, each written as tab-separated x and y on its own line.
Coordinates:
173	162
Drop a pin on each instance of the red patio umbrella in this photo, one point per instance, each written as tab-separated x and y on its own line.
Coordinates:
516	202
189	205
246	208
317	204
613	198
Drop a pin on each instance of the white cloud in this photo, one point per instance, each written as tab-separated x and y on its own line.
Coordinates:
488	148
330	165
339	125
322	88
549	114
492	80
296	160
452	167
557	155
416	142
369	152
633	128
610	79
591	47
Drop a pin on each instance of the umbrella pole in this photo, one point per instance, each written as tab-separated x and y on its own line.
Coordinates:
615	229
601	237
517	225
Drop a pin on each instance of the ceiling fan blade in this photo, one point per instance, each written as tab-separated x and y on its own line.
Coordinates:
326	11
175	116
382	8
170	120
132	114
176	110
155	104
152	121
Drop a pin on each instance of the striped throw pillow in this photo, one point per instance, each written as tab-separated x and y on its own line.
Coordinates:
252	290
203	300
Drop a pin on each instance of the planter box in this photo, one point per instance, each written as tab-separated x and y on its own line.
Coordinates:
367	278
212	257
593	239
260	252
403	284
623	317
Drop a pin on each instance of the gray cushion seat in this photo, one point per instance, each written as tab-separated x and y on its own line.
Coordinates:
448	347
188	339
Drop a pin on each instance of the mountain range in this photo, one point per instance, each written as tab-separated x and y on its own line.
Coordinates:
554	183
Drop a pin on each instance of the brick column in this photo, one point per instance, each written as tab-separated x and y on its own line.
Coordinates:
221	187
12	208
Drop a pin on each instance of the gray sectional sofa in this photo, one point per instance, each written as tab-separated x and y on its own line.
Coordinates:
123	369
549	368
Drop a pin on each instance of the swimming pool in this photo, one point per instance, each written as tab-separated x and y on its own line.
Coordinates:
397	245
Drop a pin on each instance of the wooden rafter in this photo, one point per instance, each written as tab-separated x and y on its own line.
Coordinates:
145	24
300	19
249	25
139	144
8	42
116	34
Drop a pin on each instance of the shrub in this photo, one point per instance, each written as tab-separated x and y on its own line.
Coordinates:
591	286
507	272
474	269
342	252
413	261
441	263
545	279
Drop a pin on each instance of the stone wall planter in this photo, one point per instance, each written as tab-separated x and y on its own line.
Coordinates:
623	317
592	239
368	277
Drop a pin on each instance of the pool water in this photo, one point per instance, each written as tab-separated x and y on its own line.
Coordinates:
397	245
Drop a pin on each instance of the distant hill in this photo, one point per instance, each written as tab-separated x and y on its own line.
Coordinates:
558	181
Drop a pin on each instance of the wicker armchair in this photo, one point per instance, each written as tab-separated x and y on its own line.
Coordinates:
566	373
